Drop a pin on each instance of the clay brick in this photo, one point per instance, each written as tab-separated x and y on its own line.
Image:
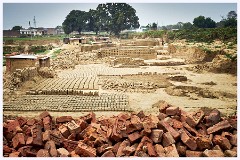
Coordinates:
51	147
89	118
85	150
83	124
222	142
7	149
216	147
26	130
56	137
115	147
31	122
18	140
194	118
134	136
15	154
141	114
233	121
136	122
159	150
64	119
188	141
37	135
73	127
213	153
63	152
190	129
47	123
177	124
171	151
43	153
233	140
11	126
73	154
151	150
139	148
128	150
24	150
172	131
212	118
70	145
229	153
181	148
116	131
204	143
21	121
202	129
103	148
123	145
108	154
29	141
167	139
64	130
194	153
44	114
171	111
46	135
223	125
123	116
156	135
161	116
163	106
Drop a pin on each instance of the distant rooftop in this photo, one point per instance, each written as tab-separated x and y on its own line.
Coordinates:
23	56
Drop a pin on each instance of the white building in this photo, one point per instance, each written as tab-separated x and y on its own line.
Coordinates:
33	31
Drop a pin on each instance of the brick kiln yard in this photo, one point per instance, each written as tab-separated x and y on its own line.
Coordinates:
105	81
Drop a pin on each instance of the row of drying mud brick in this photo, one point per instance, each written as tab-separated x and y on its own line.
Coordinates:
68	103
172	133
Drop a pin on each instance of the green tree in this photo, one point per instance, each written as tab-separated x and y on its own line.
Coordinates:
187	25
154	26
201	22
231	20
16	28
209	23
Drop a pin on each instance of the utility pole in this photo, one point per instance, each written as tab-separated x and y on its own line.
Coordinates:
34	21
30	29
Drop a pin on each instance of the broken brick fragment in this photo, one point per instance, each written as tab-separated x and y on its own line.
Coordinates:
223	125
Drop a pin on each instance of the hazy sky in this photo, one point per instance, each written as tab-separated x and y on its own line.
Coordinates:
53	14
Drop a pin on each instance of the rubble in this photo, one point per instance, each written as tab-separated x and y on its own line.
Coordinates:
124	135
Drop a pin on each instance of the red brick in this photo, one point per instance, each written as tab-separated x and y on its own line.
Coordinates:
91	117
167	139
233	121
204	143
11	126
229	153
115	147
26	130
181	148
37	135
213	153
43	153
139	148
194	153
161	116
171	151
129	150
18	140
151	150
83	124
15	154
21	121
134	136
46	135
122	146
223	125
31	122
177	124
56	137
172	131
29	141
64	130
159	150
73	154
194	118
171	111
103	148
64	119
108	154
123	116
51	147
156	135
85	150
163	106
24	150
70	145
63	152
212	118
7	149
202	129
47	123
141	114
73	127
188	141
136	122
233	140
190	129
44	114
222	142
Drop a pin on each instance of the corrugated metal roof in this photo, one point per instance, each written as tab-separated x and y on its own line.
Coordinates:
23	56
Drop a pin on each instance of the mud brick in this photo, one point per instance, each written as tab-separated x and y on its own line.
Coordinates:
85	150
161	116
46	135
204	143
222	142
128	150
171	111
21	121
83	124
141	114
73	127
159	150
56	137
115	147
37	135
63	152
51	147
64	130
134	136
223	125
151	150
70	145
202	129
229	153
64	119
156	135
167	139
73	154
181	148
190	129
233	139
108	154
18	140
11	126
47	123
44	114
194	118
188	141
24	150
43	153
123	145
177	124
213	153
212	118
31	122
172	131
194	153
171	151
15	154
163	106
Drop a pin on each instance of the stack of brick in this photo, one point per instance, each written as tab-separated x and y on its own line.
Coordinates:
173	133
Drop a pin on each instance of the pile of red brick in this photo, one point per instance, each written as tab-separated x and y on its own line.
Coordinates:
172	133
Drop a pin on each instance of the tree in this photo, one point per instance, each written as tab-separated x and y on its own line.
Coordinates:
232	14
187	25
154	26
201	22
16	28
209	23
231	20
